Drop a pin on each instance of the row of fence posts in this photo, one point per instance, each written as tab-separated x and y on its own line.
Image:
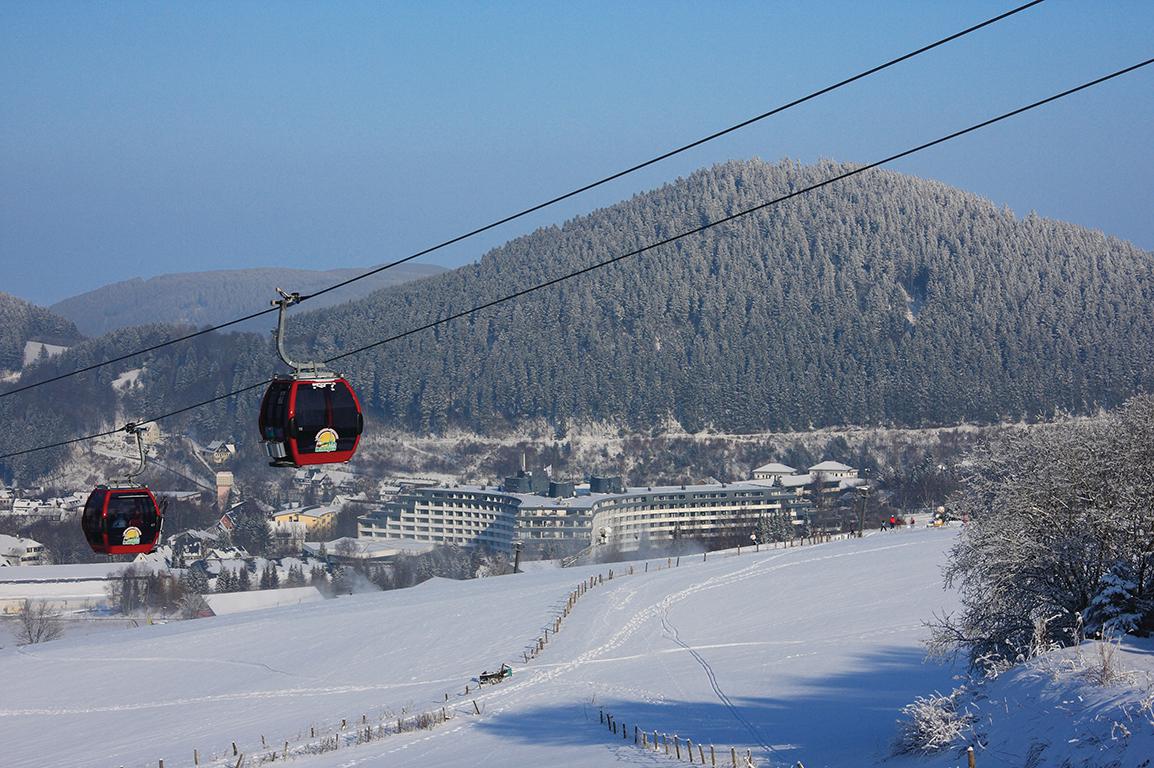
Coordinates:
364	733
428	720
672	745
538	645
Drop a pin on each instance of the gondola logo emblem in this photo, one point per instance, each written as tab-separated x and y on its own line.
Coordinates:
131	536
326	440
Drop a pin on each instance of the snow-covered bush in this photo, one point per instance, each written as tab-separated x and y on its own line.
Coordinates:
933	723
1053	512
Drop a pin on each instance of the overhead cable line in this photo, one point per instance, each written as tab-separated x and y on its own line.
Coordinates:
551	201
643	249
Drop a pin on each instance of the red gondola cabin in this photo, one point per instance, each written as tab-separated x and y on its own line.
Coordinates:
121	520
310	421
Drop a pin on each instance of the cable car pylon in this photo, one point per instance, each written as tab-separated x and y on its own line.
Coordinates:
311	416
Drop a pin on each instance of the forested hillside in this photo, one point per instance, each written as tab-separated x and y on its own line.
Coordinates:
20	322
884	299
208	298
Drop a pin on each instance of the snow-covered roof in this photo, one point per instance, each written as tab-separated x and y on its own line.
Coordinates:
198	535
830	466
239	602
12	542
65	573
316	511
369	547
776	468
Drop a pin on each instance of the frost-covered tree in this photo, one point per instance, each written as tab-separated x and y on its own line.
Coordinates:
1053	511
1116	608
38	623
269	578
243	580
225	580
195	581
295	576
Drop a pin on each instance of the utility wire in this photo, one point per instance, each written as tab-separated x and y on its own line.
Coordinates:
691	145
192	480
651	246
551	201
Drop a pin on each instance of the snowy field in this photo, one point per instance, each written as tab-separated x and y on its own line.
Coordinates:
799	654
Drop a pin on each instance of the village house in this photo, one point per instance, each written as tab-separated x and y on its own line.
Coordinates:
220	451
18	551
318	519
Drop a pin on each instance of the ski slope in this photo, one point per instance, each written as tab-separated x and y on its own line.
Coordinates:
796	654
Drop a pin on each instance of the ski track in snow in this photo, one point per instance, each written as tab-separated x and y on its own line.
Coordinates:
217	698
671	632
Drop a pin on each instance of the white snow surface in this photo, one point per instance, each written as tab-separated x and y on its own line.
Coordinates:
797	654
240	602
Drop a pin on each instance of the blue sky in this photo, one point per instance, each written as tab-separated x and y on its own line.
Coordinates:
143	138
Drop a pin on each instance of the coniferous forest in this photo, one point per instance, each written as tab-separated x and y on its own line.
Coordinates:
880	300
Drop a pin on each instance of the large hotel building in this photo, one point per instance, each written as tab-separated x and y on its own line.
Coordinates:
553	519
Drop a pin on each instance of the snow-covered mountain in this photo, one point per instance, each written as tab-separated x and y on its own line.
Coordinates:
802	654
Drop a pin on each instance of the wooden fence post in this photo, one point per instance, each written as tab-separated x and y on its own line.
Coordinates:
689	743
970	756
475	707
712	756
196	757
733	756
677	746
701	753
234	752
